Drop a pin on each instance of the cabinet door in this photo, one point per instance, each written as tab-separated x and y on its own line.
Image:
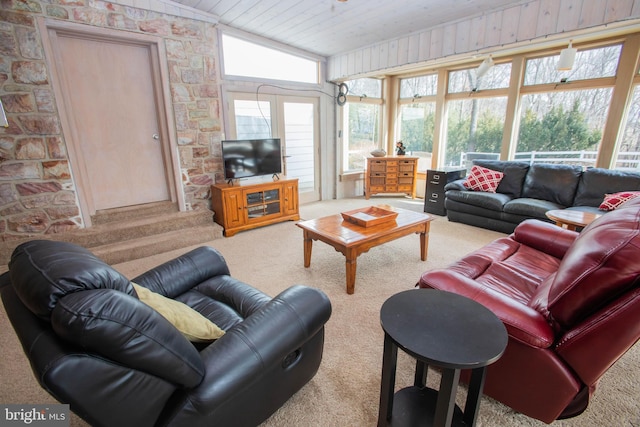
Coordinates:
233	209
290	201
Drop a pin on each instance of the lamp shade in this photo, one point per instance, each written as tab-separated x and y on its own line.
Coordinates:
484	67
567	58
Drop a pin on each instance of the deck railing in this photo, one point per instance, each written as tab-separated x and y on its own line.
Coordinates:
586	159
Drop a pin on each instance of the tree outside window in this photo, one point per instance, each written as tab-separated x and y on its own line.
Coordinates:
362	115
628	157
476	114
561	125
417	117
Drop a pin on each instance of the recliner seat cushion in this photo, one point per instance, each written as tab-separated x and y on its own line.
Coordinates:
193	325
120	327
555	183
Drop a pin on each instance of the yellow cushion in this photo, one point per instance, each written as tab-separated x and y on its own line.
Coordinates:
193	325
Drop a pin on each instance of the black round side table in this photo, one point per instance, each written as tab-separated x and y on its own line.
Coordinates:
446	330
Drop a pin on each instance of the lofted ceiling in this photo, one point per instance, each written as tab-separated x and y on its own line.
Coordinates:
330	27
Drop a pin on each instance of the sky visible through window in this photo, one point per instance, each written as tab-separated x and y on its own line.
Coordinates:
246	59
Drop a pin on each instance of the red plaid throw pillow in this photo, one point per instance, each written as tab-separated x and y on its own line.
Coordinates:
483	179
612	201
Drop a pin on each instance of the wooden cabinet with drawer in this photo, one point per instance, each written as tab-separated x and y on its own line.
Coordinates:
391	175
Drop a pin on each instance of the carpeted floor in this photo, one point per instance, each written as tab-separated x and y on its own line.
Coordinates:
345	392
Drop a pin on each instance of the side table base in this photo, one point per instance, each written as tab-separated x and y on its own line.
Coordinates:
413	406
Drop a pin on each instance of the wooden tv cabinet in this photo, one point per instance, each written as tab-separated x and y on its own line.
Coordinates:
240	207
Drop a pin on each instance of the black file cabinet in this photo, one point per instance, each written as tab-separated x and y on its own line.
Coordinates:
434	193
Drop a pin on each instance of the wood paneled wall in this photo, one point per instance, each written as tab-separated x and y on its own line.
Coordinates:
525	22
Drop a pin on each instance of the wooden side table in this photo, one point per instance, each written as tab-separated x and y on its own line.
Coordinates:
572	219
444	329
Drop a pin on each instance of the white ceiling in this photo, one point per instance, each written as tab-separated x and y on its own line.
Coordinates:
329	27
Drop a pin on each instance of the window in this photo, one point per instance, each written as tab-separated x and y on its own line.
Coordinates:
417	87
558	124
246	59
416	117
562	127
476	111
253	119
629	143
467	80
362	122
474	130
589	64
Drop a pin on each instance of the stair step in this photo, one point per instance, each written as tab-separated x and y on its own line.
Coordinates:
136	228
116	253
129	213
125	240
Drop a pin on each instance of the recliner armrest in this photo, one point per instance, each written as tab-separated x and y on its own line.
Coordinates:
180	274
266	338
545	237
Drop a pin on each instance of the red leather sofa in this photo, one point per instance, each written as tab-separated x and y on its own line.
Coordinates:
570	302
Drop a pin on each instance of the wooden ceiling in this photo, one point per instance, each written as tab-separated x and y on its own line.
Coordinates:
330	27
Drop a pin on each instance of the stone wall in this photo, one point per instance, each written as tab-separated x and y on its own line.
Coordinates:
37	192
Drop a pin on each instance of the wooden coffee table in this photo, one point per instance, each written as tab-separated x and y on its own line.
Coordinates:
571	219
352	240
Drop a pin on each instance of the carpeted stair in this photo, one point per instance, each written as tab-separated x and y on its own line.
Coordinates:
125	234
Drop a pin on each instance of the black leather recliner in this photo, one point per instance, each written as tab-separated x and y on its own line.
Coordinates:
94	345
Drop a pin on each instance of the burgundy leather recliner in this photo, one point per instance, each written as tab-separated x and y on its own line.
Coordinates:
570	302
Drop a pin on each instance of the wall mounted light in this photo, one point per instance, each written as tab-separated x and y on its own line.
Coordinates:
567	58
484	67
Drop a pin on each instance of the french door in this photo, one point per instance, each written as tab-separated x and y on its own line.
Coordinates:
292	119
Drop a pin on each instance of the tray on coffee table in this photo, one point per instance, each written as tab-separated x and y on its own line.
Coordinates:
369	216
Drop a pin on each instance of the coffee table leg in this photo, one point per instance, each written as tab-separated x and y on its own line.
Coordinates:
351	271
424	242
308	242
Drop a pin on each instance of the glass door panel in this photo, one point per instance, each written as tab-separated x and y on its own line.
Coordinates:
300	136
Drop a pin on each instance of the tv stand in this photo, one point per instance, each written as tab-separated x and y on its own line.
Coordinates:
245	206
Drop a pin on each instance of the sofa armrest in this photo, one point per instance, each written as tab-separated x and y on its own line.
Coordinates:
180	274
523	323
545	237
456	185
271	336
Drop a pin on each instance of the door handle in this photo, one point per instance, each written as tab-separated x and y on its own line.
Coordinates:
156	136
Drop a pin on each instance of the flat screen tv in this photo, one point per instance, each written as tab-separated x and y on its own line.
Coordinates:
244	158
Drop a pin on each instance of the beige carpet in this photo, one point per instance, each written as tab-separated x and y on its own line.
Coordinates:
345	391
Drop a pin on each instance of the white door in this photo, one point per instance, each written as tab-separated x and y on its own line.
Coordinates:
292	119
110	102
